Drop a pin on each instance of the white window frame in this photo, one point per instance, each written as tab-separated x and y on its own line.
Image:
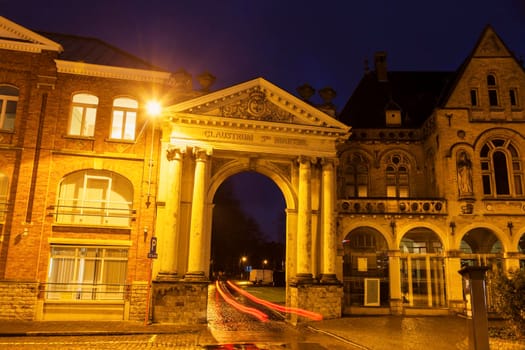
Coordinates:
83	115
6	100
124	119
68	277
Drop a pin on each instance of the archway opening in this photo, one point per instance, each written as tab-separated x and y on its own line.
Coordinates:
249	230
365	268
422	269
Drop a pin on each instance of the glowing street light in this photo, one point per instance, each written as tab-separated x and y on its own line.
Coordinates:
153	108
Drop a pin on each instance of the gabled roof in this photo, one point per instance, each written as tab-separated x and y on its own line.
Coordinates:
415	93
95	51
489	45
68	47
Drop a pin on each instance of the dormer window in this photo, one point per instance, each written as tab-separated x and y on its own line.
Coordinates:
392	114
492	90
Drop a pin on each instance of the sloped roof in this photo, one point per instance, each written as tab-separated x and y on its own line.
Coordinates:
95	51
415	93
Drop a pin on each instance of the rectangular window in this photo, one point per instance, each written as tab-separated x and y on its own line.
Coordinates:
513	97
493	98
473	97
517	185
124	123
87	273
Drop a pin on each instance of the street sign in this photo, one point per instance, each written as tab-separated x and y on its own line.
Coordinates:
153	248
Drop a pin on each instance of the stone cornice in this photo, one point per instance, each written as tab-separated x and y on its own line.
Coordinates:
95	70
247	124
18	38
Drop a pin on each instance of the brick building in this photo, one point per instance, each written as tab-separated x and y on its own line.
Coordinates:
430	179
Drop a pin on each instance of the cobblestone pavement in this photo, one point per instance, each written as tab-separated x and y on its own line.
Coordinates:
228	330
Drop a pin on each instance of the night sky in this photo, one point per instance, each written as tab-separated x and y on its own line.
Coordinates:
287	42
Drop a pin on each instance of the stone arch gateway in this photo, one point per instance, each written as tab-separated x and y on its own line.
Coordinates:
252	126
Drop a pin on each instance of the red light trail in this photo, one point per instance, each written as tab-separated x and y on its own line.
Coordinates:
261	316
309	314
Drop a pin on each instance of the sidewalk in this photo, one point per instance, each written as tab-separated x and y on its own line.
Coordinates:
367	333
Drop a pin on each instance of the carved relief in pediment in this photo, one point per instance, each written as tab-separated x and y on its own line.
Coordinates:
256	107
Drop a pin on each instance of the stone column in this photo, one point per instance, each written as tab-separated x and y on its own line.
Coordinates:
168	261
394	279
454	281
196	249
304	222
329	234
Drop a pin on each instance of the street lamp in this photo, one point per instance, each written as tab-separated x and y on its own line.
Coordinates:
154	109
243	261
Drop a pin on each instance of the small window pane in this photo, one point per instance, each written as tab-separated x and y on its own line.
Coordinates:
473	97
129	129
513	98
486	184
517	185
491	81
125	102
86	98
493	97
76	121
89	128
116	128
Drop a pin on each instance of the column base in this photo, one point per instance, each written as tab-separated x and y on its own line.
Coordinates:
194	276
329	278
302	278
167	276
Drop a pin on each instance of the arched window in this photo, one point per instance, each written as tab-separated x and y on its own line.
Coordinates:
501	170
397	176
124	118
492	90
95	197
4	195
83	115
355	176
8	103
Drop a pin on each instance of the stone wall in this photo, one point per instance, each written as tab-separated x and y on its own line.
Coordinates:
180	302
325	299
18	300
138	301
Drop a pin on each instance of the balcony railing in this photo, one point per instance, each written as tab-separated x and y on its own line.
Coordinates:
396	206
84	215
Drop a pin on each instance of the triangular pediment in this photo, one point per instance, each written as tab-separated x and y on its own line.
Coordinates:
258	101
18	38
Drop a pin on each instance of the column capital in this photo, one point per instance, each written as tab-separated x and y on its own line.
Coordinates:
325	161
175	153
202	154
306	160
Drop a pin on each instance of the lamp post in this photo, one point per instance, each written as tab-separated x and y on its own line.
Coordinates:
265	262
153	109
242	262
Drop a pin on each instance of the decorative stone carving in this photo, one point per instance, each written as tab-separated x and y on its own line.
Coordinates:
256	107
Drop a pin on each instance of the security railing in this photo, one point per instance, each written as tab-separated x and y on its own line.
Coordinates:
84	291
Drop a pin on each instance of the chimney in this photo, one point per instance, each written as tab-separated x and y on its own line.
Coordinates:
380	66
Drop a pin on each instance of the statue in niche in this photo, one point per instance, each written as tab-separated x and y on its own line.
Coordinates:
464	167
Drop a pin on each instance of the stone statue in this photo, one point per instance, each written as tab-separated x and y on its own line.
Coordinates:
464	167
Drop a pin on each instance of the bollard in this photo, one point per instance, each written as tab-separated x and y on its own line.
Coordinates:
476	301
